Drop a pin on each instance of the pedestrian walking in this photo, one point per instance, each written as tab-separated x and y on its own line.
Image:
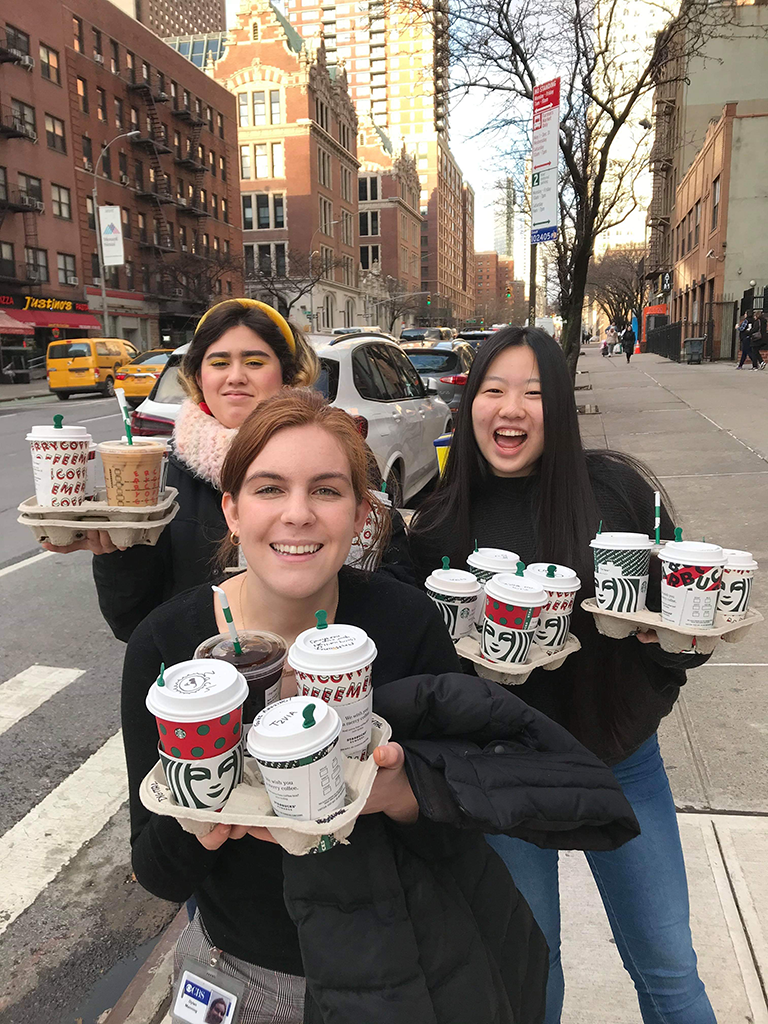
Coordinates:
744	328
628	340
757	339
415	919
518	478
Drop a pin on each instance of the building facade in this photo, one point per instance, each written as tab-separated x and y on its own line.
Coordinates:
169	17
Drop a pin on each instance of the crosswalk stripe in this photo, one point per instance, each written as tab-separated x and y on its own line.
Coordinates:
35	850
25	692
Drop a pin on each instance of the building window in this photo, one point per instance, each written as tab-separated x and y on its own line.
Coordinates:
326	216
101	104
242	109
259	108
66	267
274	107
215	206
278	211
715	201
37	263
346	228
61	202
142	222
125	216
247	213
119	113
54	132
135	119
262	212
278	160
87	153
245	163
77	34
7	259
262	160
106	163
82	95
327	262
324	167
146	72
17	40
346	184
255	31
198	108
29	186
209	118
130	65
348	273
24	115
114	57
369	223
321	114
223	167
97	50
369	255
138	175
224	211
212	163
49	64
367	189
696	221
220	120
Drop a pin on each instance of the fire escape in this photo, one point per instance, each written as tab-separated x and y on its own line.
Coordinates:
660	209
190	159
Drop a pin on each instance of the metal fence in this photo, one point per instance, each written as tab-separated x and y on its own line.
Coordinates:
669	340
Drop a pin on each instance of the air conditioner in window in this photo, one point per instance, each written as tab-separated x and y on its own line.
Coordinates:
181	200
99	58
87	165
71	279
124	179
30	202
27	62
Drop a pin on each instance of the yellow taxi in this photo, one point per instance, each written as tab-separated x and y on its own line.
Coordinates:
81	365
138	377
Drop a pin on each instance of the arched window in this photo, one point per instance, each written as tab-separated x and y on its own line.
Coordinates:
349	313
255	31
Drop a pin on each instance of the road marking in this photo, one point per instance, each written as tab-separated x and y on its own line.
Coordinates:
734	664
95	419
27	561
35	850
25	692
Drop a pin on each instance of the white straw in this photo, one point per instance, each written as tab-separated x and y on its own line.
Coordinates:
228	617
120	396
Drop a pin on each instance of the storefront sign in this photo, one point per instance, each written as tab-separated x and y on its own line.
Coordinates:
42	303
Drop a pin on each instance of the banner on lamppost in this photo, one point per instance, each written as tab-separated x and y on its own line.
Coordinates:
545	148
111	229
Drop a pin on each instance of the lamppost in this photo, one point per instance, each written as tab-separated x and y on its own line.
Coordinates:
312	288
95	194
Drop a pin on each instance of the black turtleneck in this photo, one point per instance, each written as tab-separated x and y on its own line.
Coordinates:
612	694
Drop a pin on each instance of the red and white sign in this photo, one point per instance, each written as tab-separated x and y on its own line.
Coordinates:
545	148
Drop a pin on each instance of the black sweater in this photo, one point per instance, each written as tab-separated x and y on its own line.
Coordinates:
612	694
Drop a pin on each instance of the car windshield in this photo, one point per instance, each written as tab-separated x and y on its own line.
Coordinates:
71	351
432	334
433	361
413	334
328	381
156	358
168	389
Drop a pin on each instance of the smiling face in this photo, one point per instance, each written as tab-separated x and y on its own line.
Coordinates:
238	371
507	413
296	513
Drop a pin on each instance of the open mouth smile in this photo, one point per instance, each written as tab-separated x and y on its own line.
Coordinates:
296	552
509	440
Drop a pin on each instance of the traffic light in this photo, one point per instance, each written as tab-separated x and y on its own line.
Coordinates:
429	298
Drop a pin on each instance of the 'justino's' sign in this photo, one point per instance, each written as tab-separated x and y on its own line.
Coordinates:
42	302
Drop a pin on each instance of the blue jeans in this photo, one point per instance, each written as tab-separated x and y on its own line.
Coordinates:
645	894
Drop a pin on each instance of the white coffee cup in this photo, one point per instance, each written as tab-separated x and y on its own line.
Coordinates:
691	572
484	564
736	586
457	594
513	606
59	464
296	745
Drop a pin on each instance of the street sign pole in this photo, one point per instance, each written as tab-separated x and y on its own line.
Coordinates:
532	289
545	150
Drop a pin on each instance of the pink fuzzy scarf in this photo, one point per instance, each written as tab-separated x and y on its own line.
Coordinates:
202	442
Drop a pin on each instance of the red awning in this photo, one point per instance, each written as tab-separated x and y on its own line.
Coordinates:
44	318
9	325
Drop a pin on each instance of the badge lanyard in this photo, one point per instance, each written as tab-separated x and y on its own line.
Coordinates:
206	995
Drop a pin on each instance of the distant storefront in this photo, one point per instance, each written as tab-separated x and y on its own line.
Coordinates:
28	323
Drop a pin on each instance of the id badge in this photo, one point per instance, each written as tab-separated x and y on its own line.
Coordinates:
205	995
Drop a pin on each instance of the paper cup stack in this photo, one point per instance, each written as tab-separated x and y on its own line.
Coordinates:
513	606
561	585
621	570
690	583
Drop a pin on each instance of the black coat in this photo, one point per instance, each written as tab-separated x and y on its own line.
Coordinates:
419	924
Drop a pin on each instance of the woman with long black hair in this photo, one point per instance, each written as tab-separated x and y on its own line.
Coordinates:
517	477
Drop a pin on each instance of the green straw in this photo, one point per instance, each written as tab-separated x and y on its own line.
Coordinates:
322	619
383	486
230	622
446	562
657	515
600	528
161	677
58	420
520	569
308	715
476	548
678	533
551	570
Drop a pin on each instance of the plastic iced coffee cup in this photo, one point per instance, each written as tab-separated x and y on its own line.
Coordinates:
458	595
621	570
561	584
261	663
335	665
296	745
691	572
59	464
736	585
132	472
513	606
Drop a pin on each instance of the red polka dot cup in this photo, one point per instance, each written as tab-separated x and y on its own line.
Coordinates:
198	709
513	606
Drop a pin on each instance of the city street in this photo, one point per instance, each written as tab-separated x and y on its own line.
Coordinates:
73	924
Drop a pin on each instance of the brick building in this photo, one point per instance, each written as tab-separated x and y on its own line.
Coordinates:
165	17
72	80
500	298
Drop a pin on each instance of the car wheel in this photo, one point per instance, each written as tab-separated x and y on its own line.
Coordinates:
395	487
62	395
109	388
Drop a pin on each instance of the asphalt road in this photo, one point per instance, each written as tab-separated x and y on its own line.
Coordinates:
101	418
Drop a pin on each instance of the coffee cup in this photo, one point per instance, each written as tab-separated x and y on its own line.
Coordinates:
261	663
621	570
132	472
561	585
205	783
458	595
59	464
362	554
335	665
296	745
513	606
691	572
198	708
736	585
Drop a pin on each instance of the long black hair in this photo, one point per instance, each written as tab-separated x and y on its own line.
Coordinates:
567	515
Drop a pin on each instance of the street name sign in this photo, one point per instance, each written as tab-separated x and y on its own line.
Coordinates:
545	148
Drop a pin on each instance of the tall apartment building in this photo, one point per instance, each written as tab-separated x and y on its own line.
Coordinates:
72	80
172	17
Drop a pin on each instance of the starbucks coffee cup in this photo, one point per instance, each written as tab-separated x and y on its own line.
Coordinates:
205	783
59	463
691	573
132	472
561	585
484	564
736	585
458	595
198	708
335	664
296	745
621	570
362	554
513	606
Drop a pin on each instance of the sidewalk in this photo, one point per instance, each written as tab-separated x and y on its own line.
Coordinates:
702	430
36	389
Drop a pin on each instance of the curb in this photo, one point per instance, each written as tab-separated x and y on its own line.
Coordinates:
21	398
148	996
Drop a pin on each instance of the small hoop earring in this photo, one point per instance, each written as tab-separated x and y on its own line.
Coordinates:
234	539
357	540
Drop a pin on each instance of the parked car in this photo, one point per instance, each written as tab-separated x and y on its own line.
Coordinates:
410	335
474	337
138	377
443	366
371	377
357	330
80	365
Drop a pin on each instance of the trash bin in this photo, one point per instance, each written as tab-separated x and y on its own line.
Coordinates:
693	349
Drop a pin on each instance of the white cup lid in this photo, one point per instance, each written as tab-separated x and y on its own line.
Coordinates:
197	690
692	552
336	648
516	590
47	433
453	582
382	496
286	730
639	541
493	560
562	579
735	559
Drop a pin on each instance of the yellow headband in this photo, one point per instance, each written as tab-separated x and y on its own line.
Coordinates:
279	321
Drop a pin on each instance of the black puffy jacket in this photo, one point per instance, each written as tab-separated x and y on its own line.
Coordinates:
419	924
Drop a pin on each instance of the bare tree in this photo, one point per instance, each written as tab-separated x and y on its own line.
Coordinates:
284	284
397	302
194	276
616	284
